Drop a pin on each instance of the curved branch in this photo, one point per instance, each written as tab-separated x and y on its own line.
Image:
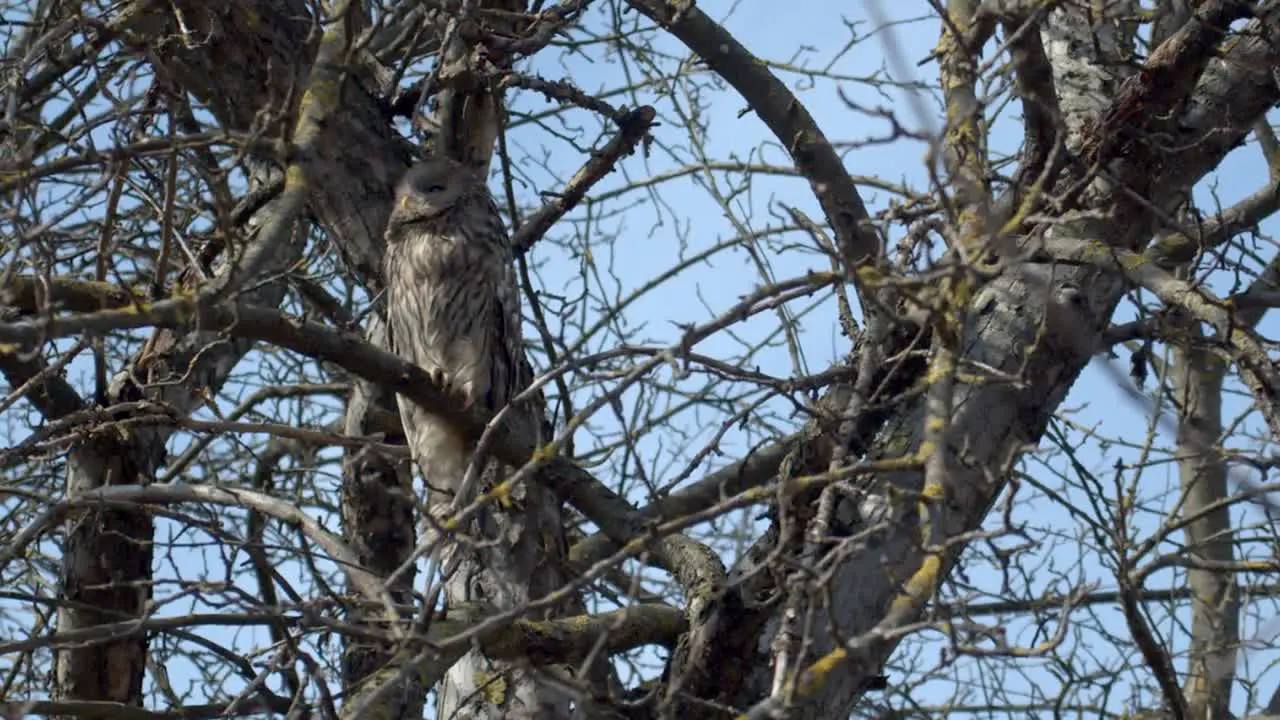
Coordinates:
563	640
367	583
633	128
786	118
1256	368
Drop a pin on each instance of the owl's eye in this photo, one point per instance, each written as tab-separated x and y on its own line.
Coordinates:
431	189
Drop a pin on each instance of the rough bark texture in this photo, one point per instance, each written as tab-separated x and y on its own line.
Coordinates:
251	49
1198	383
514	551
519	564
107	555
106	577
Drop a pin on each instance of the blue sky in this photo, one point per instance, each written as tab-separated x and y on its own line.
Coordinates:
635	236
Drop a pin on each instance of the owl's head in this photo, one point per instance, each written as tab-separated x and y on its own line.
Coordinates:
428	190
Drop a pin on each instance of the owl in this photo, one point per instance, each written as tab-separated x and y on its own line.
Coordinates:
453	307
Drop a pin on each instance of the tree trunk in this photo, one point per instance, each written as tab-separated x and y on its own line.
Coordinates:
355	168
1038	321
1198	382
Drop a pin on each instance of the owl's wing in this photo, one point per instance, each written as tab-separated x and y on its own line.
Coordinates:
512	373
506	344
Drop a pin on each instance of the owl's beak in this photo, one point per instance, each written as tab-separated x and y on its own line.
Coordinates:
404	202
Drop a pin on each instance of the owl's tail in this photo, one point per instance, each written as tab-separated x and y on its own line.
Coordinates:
440	453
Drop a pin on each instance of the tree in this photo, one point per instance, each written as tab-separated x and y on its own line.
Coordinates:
798	441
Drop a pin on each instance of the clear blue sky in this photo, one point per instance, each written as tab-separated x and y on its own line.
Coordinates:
681	217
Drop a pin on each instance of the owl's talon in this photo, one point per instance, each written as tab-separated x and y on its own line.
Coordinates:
441	380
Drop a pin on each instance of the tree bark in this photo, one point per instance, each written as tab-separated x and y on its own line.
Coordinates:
250	49
1198	382
254	47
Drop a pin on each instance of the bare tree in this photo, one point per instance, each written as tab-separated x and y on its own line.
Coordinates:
814	455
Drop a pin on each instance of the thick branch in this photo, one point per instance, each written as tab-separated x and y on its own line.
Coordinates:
1215	606
513	444
43	384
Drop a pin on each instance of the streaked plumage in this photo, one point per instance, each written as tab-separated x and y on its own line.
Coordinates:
452	305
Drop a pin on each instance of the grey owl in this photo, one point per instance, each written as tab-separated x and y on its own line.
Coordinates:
453	307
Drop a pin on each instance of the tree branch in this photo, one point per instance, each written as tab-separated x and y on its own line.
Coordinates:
1256	368
368	584
789	121
513	443
993	423
633	127
41	383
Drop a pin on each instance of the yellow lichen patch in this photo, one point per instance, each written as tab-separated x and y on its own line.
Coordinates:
1025	207
820	669
920	586
294	176
1130	261
932	492
937	371
178	293
494	687
1174	246
579	623
543	454
140	306
869	276
635	547
502	493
